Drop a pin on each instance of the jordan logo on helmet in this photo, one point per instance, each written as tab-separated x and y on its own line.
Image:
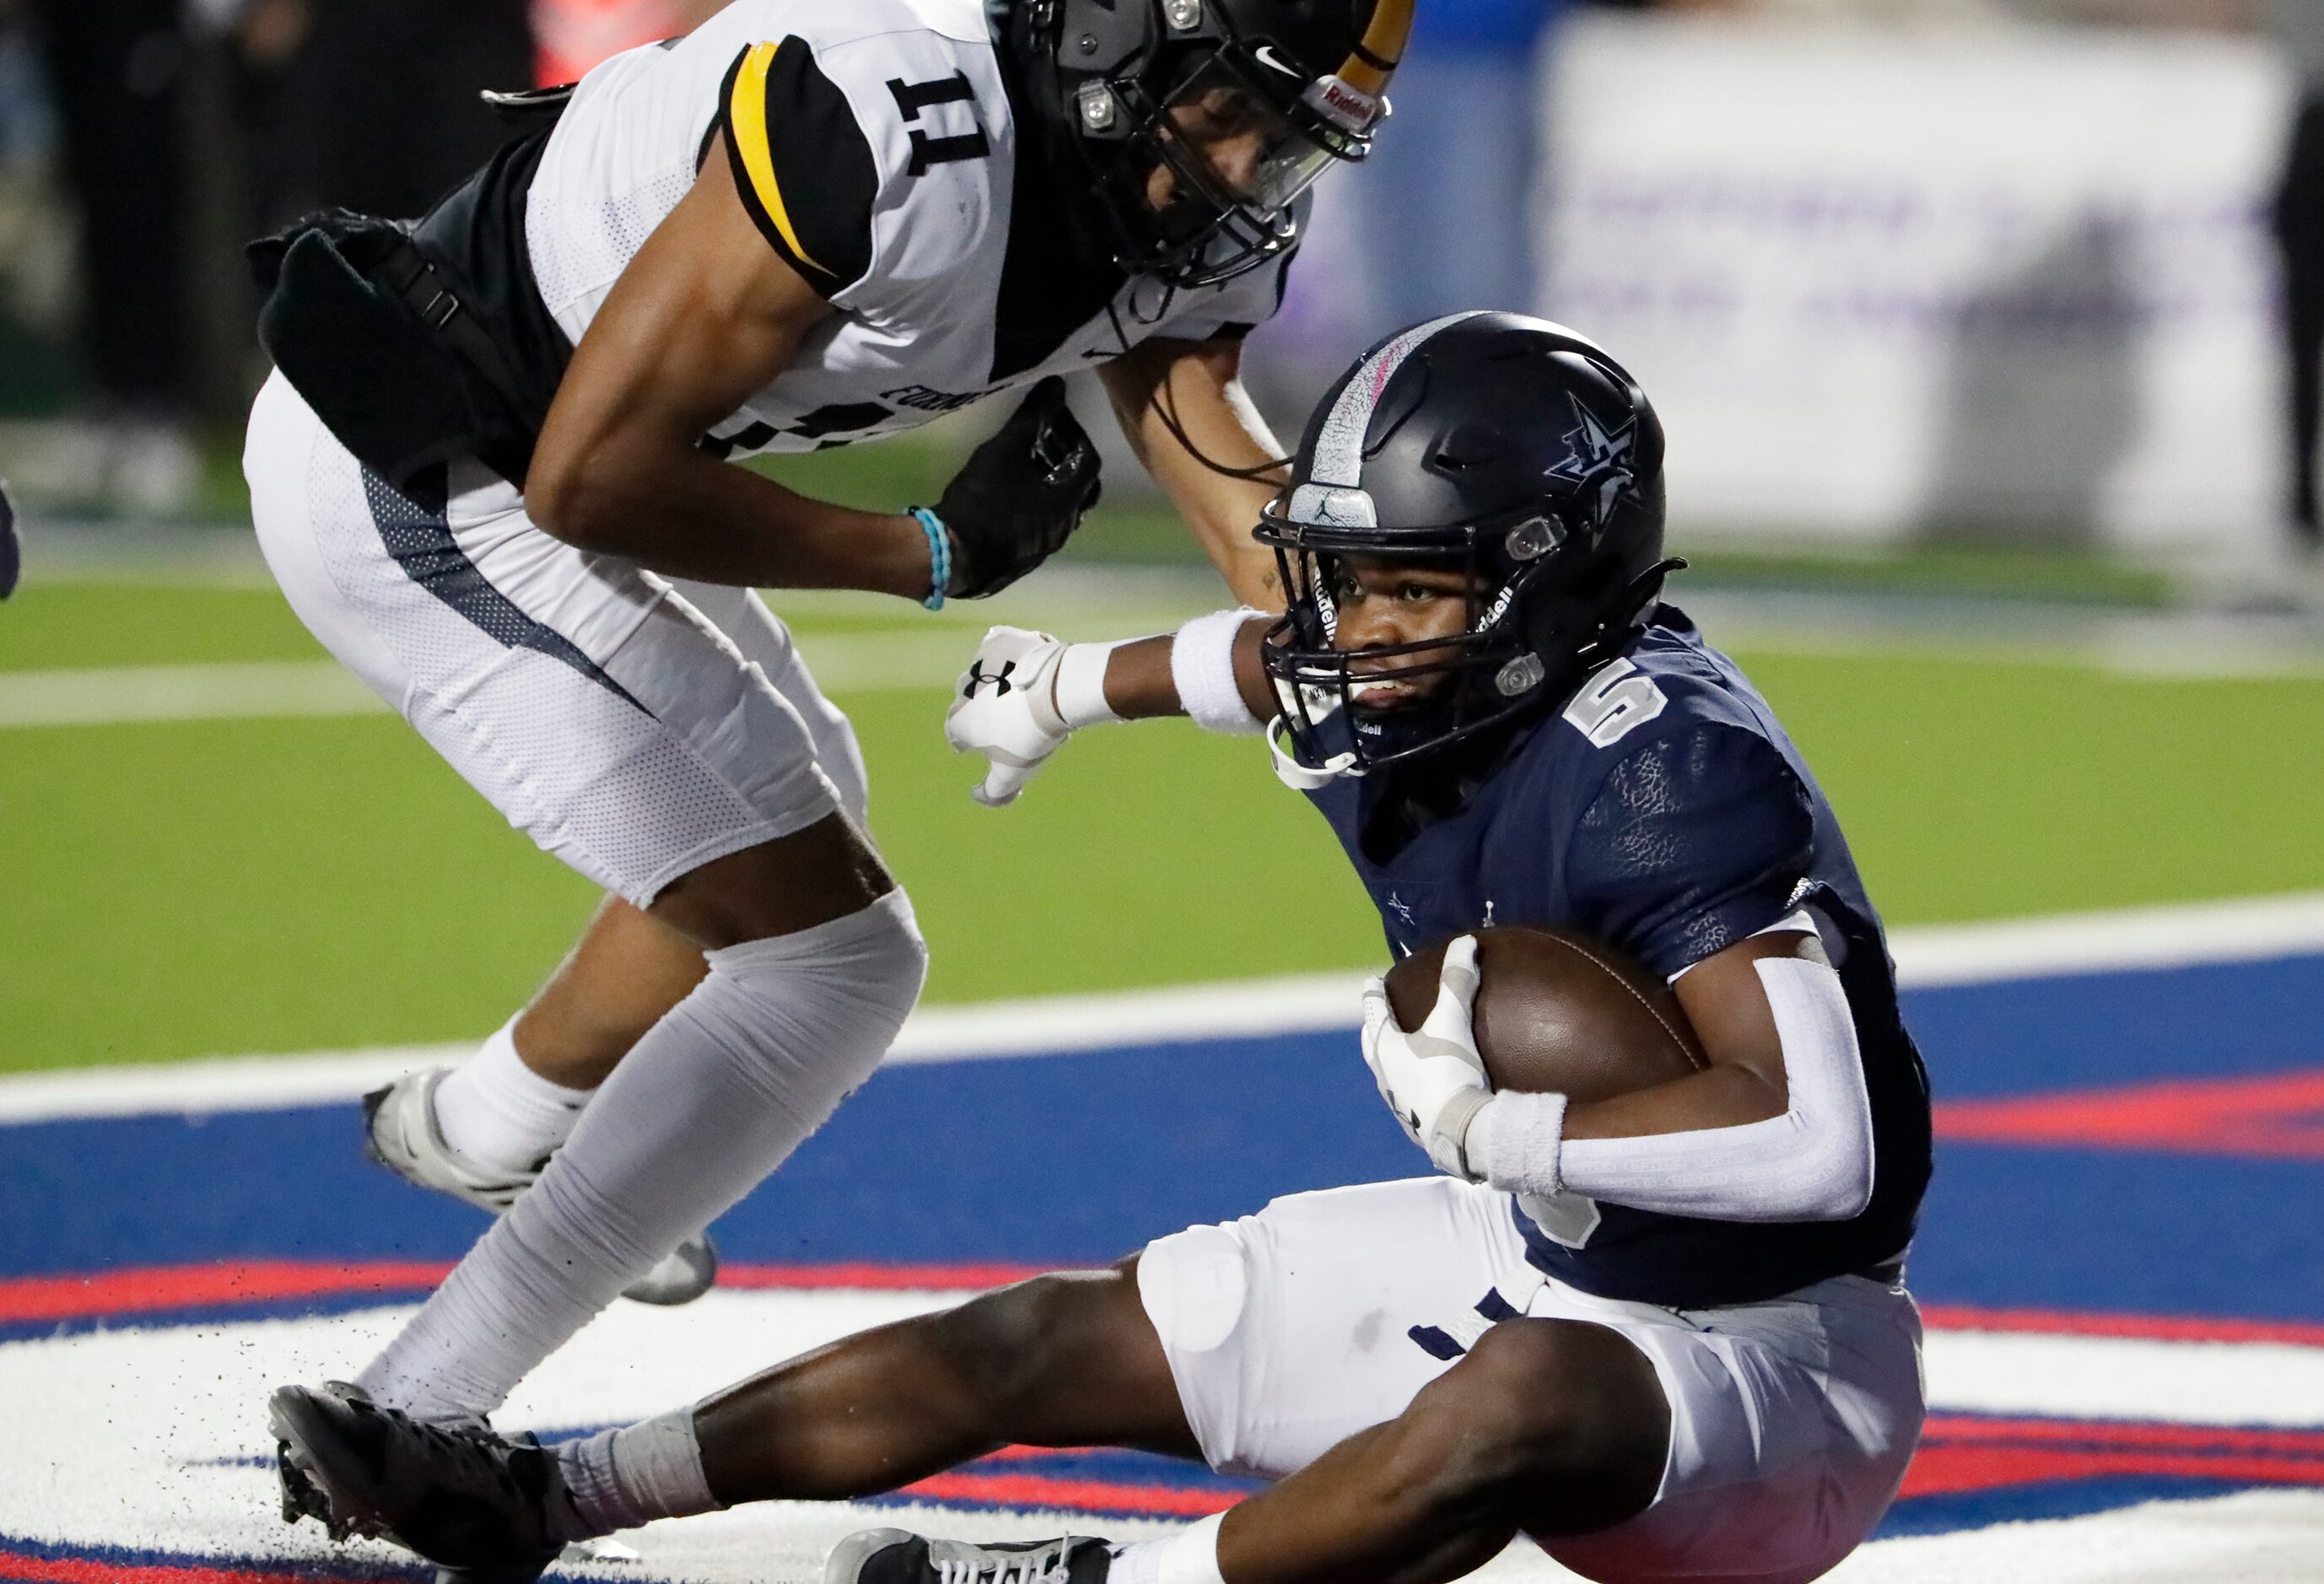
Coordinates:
1600	456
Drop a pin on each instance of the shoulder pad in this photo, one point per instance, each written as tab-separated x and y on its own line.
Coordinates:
801	162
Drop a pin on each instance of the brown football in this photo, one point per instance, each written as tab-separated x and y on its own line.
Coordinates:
1558	1013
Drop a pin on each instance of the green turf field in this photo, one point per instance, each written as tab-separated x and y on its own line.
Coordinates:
211	886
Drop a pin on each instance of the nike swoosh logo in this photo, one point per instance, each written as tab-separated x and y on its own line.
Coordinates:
1266	56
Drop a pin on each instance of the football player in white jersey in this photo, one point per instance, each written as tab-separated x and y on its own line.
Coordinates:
489	474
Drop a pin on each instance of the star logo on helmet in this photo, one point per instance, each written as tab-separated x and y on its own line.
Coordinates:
1600	456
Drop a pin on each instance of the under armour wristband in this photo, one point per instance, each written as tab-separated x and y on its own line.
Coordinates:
1202	668
1081	685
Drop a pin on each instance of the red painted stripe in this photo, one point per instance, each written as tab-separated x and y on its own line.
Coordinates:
2159	1327
1944	1470
941	1278
2277	1115
148	1289
1963	1429
1037	1491
138	1290
14	1565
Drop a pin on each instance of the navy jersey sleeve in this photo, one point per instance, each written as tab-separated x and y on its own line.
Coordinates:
1693	841
802	163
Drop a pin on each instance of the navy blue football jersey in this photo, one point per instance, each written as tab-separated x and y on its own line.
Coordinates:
1665	812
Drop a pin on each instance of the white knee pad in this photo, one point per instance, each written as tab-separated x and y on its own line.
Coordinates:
1195	1286
812	1013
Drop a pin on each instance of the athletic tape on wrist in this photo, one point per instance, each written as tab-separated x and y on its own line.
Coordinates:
1517	1143
1202	668
1081	685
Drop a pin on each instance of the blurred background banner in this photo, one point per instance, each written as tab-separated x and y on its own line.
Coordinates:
1897	271
2013	280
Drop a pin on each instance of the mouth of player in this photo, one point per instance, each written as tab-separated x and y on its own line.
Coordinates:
1386	686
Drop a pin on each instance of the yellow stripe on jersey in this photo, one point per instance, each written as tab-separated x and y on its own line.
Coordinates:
746	123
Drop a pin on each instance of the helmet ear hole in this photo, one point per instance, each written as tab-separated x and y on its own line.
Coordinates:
1469	446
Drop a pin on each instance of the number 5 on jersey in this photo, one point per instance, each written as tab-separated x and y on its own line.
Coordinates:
1617	698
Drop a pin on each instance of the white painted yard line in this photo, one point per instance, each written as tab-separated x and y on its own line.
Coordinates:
114	695
286	689
220	1083
191	1476
1033	1026
2272	1384
2254	929
2175	936
2252	1537
106	695
2161	648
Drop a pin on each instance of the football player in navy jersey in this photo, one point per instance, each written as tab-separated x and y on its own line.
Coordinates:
1665	1335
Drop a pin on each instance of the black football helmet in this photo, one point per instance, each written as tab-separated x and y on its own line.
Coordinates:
1505	446
1243	103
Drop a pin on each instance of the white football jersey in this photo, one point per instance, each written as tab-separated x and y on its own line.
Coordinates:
875	144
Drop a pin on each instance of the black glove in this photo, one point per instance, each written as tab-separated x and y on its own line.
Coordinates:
1019	495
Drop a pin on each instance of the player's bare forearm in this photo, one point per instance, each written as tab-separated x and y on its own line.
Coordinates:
680	512
1744	1082
1197	387
1139	684
704	317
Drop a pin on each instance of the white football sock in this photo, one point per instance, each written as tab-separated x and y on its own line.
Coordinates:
621	1479
499	1115
713	1098
1191	1556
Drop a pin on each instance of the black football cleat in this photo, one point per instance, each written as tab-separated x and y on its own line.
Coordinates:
485	1508
896	1556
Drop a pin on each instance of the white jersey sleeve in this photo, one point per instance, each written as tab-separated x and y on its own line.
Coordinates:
866	157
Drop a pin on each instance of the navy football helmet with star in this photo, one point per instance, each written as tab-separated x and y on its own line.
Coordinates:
1502	446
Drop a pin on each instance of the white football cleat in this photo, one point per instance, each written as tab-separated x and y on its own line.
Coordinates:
897	1556
400	1133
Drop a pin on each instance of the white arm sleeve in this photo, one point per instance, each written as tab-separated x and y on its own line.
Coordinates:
1811	1164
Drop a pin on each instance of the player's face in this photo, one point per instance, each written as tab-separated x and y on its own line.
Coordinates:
1247	150
1226	128
1380	604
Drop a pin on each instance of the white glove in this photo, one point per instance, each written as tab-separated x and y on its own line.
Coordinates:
1022	695
1434	1080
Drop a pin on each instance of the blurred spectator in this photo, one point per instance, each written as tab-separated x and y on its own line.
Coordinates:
383	96
576	34
114	70
36	251
2298	27
1447	195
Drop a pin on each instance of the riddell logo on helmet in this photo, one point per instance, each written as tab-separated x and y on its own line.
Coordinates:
1352	107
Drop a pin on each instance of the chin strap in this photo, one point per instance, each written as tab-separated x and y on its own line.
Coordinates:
1301	777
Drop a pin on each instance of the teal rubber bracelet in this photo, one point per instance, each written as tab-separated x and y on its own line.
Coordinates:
939	554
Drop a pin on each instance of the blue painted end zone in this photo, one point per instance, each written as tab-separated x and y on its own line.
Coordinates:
1079	1159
